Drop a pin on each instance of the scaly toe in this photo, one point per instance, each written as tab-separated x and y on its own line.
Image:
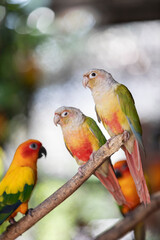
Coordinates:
126	136
29	212
108	142
80	170
12	221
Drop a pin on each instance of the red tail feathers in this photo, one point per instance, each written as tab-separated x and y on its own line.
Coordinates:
135	167
112	184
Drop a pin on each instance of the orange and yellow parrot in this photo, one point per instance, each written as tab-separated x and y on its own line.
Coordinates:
129	191
17	185
127	185
82	138
116	109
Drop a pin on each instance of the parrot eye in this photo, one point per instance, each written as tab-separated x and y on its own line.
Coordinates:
33	146
92	75
64	114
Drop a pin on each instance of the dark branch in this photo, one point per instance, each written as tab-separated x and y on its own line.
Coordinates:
129	222
65	191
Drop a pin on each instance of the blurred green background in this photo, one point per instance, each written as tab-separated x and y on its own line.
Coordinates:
44	51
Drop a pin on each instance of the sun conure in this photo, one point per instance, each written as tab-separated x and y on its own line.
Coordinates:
17	185
127	185
82	138
129	190
115	107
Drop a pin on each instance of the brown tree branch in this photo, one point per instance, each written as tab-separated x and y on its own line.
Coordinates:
128	223
65	191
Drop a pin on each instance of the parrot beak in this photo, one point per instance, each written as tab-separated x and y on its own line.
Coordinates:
42	152
56	119
85	81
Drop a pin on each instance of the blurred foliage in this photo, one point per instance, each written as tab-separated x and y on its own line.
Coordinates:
19	74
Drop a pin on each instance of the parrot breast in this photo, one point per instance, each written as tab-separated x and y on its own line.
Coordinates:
113	124
81	142
110	112
83	152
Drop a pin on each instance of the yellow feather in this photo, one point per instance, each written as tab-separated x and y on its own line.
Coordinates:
15	180
107	106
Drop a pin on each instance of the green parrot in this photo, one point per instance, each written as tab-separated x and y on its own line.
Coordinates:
82	138
115	107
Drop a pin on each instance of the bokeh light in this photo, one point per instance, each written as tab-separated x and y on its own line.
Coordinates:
41	18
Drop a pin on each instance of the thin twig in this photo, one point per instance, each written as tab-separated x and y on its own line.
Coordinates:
65	191
128	223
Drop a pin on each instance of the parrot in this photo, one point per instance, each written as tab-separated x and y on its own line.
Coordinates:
116	109
127	185
129	190
82	138
17	184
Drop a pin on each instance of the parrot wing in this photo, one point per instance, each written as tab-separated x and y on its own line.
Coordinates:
127	105
96	131
15	188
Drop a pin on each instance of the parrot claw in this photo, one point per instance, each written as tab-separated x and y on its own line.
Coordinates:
108	142
92	155
126	136
80	171
29	212
12	221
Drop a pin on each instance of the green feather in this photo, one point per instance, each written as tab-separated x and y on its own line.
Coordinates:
12	201
25	195
96	131
127	105
9	199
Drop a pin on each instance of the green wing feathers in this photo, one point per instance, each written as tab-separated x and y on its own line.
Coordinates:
96	131
127	105
15	189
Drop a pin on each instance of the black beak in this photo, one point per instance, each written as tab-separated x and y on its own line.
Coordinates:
42	152
118	173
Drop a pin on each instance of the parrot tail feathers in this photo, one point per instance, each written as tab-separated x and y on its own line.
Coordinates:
135	167
112	185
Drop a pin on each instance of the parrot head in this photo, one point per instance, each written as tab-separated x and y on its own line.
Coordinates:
28	153
121	169
95	78
68	116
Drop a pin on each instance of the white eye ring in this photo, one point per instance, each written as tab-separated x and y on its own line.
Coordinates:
64	114
33	146
92	75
